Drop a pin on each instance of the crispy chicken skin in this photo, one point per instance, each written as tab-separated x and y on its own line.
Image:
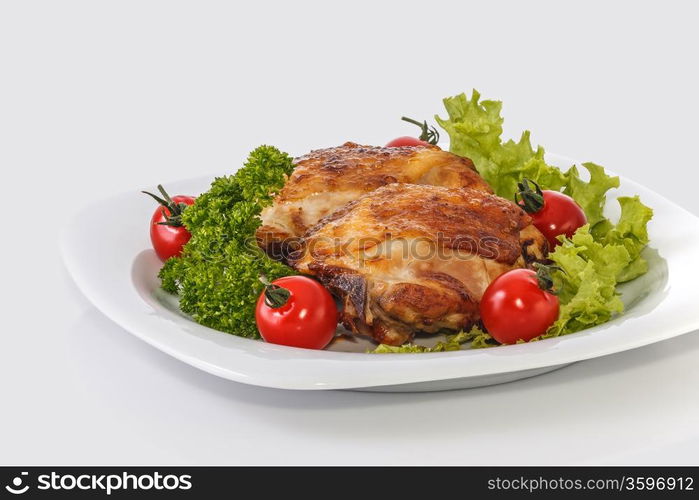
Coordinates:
326	179
407	258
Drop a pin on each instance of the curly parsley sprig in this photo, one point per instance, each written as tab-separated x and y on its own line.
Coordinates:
217	276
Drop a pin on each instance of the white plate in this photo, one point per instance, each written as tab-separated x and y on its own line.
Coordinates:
107	251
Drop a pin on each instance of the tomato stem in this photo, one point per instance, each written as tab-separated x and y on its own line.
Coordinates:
428	134
543	276
275	295
532	199
176	209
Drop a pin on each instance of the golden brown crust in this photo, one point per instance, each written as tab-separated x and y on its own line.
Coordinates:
409	258
326	179
461	219
364	168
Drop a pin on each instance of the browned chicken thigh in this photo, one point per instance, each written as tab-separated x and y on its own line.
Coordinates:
407	258
326	179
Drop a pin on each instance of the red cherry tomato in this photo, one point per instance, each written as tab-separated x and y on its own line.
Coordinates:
559	215
167	234
514	307
406	141
553	213
303	316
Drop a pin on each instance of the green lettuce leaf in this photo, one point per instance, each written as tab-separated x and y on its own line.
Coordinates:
593	264
632	232
474	129
591	195
476	336
587	281
601	254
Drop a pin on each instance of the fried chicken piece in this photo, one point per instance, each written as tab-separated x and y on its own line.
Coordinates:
407	258
326	179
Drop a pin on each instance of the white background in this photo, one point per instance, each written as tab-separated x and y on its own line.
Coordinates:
102	97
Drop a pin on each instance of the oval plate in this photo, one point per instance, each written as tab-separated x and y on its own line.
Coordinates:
108	254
